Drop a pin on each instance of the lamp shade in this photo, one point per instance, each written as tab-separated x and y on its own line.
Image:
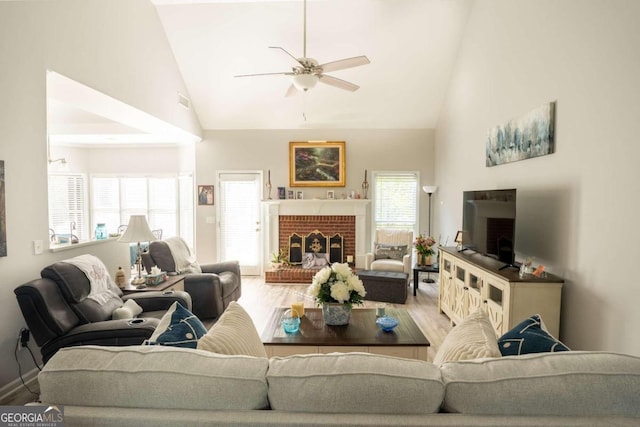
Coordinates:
304	82
429	189
137	231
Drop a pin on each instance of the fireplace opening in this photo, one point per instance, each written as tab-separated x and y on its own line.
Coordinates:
315	250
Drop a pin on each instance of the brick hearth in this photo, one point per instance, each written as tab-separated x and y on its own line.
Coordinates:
290	275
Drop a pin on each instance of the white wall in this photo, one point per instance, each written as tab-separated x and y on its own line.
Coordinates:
117	47
377	149
577	208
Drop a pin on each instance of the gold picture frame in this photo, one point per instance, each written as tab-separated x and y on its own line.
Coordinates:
316	164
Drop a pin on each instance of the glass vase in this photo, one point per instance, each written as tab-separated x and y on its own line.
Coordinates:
335	314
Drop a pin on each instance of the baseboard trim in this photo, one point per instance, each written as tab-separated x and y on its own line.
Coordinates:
14	386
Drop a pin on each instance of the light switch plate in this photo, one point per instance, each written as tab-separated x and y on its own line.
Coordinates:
37	247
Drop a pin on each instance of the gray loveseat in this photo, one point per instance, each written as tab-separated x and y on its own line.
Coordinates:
163	386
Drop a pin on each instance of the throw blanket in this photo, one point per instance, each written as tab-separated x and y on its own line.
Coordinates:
185	262
99	278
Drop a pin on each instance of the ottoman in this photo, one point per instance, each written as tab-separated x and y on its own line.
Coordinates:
387	286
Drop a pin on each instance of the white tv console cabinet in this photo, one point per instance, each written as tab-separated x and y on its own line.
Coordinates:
469	280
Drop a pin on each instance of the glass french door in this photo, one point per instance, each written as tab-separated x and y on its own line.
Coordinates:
239	219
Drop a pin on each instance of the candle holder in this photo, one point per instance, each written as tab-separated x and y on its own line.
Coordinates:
268	185
365	185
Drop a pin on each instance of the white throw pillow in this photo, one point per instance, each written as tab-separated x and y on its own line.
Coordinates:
234	334
473	338
129	310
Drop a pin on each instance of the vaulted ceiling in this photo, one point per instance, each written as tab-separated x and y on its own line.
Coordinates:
412	46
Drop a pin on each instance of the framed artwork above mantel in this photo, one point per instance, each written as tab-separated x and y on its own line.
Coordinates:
317	164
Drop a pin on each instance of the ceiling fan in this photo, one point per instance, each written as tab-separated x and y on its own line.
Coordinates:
307	72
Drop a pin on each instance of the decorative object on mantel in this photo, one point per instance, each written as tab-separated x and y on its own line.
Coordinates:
138	231
317	164
281	193
423	246
205	195
528	136
3	214
268	185
337	289
365	185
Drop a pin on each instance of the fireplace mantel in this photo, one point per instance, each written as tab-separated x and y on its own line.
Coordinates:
273	209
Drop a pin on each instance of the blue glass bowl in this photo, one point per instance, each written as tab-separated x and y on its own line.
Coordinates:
387	323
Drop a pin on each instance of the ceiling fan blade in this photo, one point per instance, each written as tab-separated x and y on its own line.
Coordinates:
287	52
339	83
291	91
341	64
286	73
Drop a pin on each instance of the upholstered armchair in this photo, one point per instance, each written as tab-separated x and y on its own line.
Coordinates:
392	251
59	312
211	290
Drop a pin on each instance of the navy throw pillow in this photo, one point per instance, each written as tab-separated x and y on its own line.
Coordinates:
178	328
529	336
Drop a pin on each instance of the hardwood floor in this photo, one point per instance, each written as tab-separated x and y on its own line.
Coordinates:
258	298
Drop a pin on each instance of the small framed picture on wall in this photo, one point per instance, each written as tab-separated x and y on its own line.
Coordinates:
205	195
299	195
291	195
331	195
281	193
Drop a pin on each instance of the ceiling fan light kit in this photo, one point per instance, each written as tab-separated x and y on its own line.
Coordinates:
304	82
306	74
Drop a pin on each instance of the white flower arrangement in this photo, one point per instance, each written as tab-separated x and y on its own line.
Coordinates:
337	284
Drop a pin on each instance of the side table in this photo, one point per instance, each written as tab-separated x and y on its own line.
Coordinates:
417	269
173	283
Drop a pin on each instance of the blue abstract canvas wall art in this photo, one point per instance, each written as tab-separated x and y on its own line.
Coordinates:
528	136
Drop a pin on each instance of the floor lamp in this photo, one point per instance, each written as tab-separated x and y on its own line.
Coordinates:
429	189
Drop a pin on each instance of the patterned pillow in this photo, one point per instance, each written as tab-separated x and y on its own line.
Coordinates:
233	334
529	336
178	328
383	251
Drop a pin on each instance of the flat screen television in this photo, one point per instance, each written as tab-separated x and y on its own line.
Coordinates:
489	223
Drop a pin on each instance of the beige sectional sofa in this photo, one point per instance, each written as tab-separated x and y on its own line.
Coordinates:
164	386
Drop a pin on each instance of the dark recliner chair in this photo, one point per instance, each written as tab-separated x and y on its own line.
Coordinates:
59	314
211	291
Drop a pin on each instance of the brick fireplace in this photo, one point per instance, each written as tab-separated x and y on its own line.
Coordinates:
285	217
344	225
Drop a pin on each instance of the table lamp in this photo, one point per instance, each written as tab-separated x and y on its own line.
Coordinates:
137	231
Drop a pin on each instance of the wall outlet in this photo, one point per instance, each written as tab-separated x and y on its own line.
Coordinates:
24	337
37	247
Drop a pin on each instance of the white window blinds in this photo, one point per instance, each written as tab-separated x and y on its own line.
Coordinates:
67	204
395	200
166	201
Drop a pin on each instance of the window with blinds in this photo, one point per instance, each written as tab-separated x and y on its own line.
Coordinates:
67	205
166	201
396	200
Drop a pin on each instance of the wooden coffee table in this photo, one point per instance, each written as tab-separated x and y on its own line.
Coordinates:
361	335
